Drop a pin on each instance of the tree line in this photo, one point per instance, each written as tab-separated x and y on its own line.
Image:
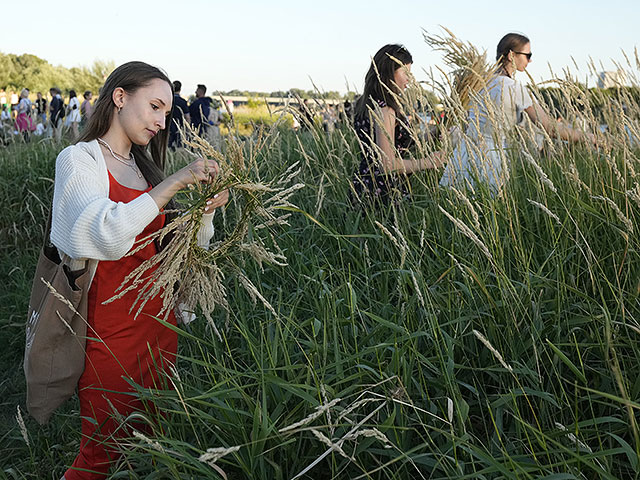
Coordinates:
38	75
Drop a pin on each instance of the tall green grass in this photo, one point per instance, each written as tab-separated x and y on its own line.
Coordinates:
496	340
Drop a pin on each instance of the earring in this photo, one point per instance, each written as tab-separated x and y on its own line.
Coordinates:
119	109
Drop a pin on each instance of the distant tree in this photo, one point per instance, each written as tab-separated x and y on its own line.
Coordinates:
297	92
98	73
351	96
234	93
333	95
7	70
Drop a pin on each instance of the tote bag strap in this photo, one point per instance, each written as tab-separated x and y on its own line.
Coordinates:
50	250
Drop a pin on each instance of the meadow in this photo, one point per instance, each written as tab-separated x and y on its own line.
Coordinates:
458	335
246	117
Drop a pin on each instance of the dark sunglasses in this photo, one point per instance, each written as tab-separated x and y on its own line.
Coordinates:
528	55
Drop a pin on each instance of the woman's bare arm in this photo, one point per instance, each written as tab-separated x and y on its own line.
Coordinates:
555	128
391	161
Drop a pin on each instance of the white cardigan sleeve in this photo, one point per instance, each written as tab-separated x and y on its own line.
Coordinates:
205	234
85	222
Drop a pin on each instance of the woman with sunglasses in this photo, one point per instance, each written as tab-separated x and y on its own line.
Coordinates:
480	157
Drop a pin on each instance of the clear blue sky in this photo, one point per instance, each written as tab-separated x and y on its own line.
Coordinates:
280	44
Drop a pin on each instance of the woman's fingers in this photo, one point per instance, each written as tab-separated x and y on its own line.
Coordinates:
437	159
209	167
217	201
212	168
204	170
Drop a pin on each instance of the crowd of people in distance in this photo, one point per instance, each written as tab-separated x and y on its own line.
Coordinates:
50	116
42	116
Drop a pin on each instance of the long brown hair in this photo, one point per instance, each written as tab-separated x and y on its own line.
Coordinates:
130	77
511	42
379	79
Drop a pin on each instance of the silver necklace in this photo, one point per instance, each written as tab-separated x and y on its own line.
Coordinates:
129	162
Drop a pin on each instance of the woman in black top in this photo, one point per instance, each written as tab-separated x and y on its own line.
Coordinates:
381	129
41	109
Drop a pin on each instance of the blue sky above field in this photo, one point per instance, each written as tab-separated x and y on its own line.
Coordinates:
277	45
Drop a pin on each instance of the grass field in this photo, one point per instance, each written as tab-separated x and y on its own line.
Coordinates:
450	337
245	118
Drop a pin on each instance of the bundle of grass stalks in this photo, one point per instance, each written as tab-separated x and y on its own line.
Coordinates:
189	276
471	71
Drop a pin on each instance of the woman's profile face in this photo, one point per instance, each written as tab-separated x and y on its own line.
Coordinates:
521	59
144	112
402	76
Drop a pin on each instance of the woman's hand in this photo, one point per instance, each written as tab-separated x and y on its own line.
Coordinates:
202	170
438	159
434	161
217	201
590	139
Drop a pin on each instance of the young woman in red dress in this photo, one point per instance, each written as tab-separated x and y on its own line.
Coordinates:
110	190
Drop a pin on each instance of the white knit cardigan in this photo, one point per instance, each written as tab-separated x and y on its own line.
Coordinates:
85	223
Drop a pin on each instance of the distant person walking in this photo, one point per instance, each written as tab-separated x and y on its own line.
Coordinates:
41	108
24	122
179	115
328	119
306	115
86	109
14	102
5	116
215	119
199	110
74	114
56	113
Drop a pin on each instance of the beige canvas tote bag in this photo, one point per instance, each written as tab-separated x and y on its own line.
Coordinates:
55	332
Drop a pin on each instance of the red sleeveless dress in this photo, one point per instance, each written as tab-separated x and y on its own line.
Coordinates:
137	349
